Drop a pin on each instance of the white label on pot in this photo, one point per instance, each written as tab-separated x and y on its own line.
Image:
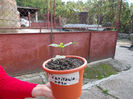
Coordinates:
64	79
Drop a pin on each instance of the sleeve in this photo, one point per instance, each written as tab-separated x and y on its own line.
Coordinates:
12	88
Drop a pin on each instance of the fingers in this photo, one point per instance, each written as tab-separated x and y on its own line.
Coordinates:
48	85
43	90
48	92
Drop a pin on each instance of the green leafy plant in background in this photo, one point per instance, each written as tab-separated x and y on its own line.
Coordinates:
125	18
99	11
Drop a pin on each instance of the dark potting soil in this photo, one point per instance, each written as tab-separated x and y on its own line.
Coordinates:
64	64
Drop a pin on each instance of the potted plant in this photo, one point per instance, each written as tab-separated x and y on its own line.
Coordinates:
65	74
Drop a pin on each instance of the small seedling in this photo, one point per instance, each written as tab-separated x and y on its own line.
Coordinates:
61	46
104	91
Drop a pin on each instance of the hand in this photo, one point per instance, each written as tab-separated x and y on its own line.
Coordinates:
43	90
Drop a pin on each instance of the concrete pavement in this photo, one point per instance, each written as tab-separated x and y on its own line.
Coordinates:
119	86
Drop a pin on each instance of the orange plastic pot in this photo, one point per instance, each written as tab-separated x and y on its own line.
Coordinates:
66	84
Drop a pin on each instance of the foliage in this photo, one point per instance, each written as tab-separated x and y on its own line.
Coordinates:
99	11
70	10
125	18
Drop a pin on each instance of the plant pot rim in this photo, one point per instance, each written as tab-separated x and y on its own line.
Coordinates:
65	71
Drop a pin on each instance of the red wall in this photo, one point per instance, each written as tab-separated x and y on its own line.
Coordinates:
25	53
102	45
80	49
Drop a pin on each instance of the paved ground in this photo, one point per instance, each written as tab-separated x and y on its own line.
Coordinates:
118	86
123	54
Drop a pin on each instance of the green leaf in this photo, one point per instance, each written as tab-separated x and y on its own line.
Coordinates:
54	45
68	44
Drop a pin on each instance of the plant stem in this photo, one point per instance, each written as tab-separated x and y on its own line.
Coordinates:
61	50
